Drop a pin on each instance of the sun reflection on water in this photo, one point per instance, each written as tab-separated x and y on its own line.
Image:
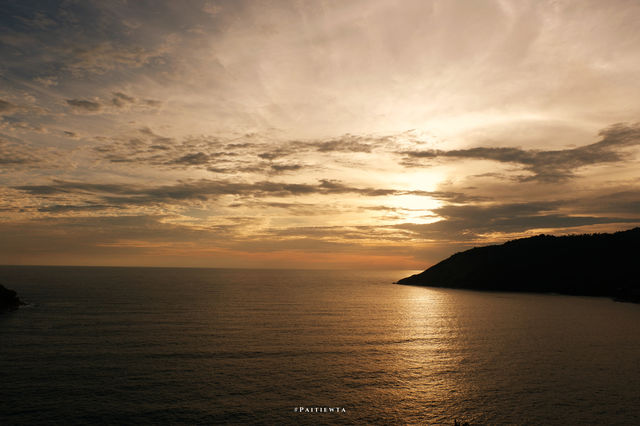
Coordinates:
428	357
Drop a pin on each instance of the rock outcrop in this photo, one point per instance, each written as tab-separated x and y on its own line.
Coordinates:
9	299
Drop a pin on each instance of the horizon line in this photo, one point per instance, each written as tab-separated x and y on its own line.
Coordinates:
203	267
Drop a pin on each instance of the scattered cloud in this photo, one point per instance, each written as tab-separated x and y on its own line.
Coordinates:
14	154
22	157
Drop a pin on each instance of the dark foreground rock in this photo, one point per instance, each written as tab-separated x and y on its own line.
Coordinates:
587	265
9	299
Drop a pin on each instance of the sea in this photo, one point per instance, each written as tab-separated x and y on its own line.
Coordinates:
231	346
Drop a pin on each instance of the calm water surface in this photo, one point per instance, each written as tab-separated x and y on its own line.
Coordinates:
206	346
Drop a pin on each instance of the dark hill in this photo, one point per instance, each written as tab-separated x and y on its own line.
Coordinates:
588	265
9	299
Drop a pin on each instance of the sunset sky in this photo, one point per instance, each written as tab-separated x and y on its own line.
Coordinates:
312	134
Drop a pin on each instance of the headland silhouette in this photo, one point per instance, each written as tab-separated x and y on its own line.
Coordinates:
586	265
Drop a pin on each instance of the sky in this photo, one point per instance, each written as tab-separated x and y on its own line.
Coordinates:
312	134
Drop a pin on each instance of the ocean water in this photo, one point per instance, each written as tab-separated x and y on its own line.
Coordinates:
211	346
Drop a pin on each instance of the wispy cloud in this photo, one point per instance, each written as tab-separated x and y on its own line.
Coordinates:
106	56
205	189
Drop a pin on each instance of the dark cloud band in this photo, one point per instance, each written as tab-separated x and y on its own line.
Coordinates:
549	166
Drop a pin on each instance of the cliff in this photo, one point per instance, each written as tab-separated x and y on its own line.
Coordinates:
593	265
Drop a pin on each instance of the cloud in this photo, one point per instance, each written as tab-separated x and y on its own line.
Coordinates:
106	56
64	208
16	154
157	240
155	138
211	8
281	168
120	99
296	208
38	21
6	107
62	187
202	190
94	234
152	103
623	202
308	128
547	166
24	158
233	155
147	147
347	143
83	106
275	154
194	159
235	169
47	81
474	222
